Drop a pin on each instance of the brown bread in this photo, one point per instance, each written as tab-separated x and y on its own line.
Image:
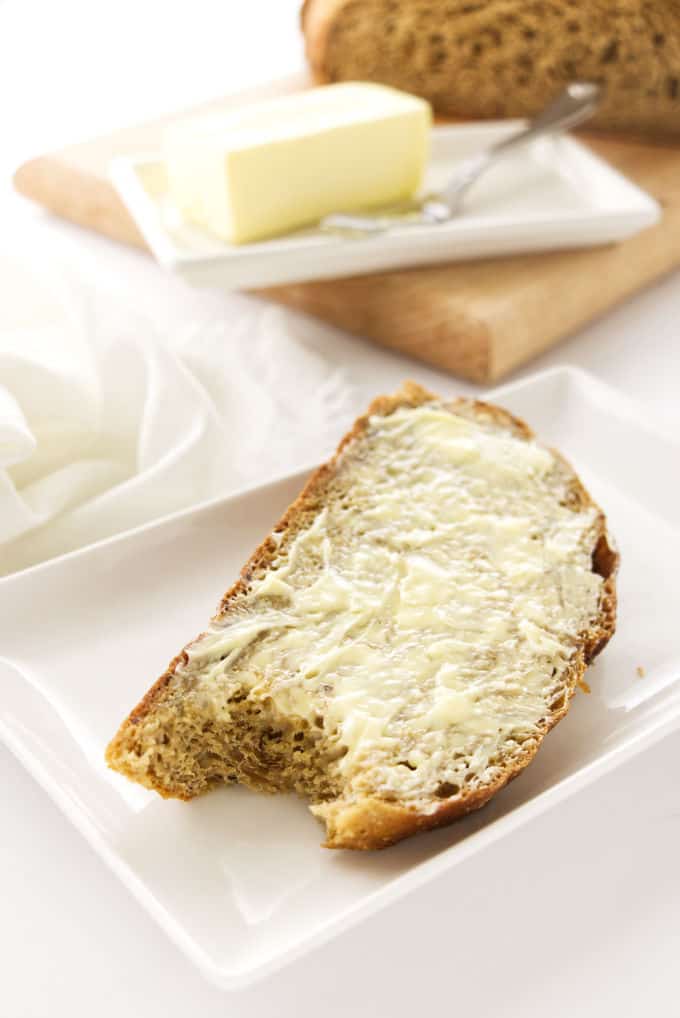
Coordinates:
219	714
507	58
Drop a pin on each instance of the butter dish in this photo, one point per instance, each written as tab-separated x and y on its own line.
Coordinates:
554	194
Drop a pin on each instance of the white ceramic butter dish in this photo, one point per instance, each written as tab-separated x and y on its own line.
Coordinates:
553	194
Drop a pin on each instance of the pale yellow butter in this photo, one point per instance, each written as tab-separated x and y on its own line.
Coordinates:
271	167
428	622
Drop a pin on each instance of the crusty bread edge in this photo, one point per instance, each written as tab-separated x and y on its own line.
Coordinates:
316	21
374	823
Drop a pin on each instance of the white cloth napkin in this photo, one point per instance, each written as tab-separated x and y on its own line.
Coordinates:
103	426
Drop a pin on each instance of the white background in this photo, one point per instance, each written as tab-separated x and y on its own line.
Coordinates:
578	912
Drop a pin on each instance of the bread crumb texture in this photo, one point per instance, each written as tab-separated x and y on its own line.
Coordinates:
398	647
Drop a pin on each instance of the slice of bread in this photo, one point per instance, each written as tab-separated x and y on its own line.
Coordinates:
399	646
507	58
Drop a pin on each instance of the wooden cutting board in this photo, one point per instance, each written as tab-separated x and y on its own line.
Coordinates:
478	320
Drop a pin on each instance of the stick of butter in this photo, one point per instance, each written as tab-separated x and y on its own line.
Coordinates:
274	166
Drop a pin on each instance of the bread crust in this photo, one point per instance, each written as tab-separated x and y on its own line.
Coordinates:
316	20
373	823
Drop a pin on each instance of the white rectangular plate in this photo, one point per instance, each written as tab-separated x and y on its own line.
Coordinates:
237	879
553	194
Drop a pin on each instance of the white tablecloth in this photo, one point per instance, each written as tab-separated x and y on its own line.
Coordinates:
165	396
113	413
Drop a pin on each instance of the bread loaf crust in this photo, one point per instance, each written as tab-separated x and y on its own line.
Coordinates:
507	58
372	823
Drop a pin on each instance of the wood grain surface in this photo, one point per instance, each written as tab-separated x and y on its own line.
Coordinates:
477	319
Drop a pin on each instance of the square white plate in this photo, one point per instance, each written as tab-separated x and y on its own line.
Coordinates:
554	194
237	879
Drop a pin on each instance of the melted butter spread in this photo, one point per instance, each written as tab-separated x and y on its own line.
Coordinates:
428	613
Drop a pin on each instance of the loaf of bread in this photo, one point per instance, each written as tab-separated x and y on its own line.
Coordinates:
398	647
507	58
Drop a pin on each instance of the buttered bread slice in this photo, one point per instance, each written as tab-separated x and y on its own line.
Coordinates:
401	643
